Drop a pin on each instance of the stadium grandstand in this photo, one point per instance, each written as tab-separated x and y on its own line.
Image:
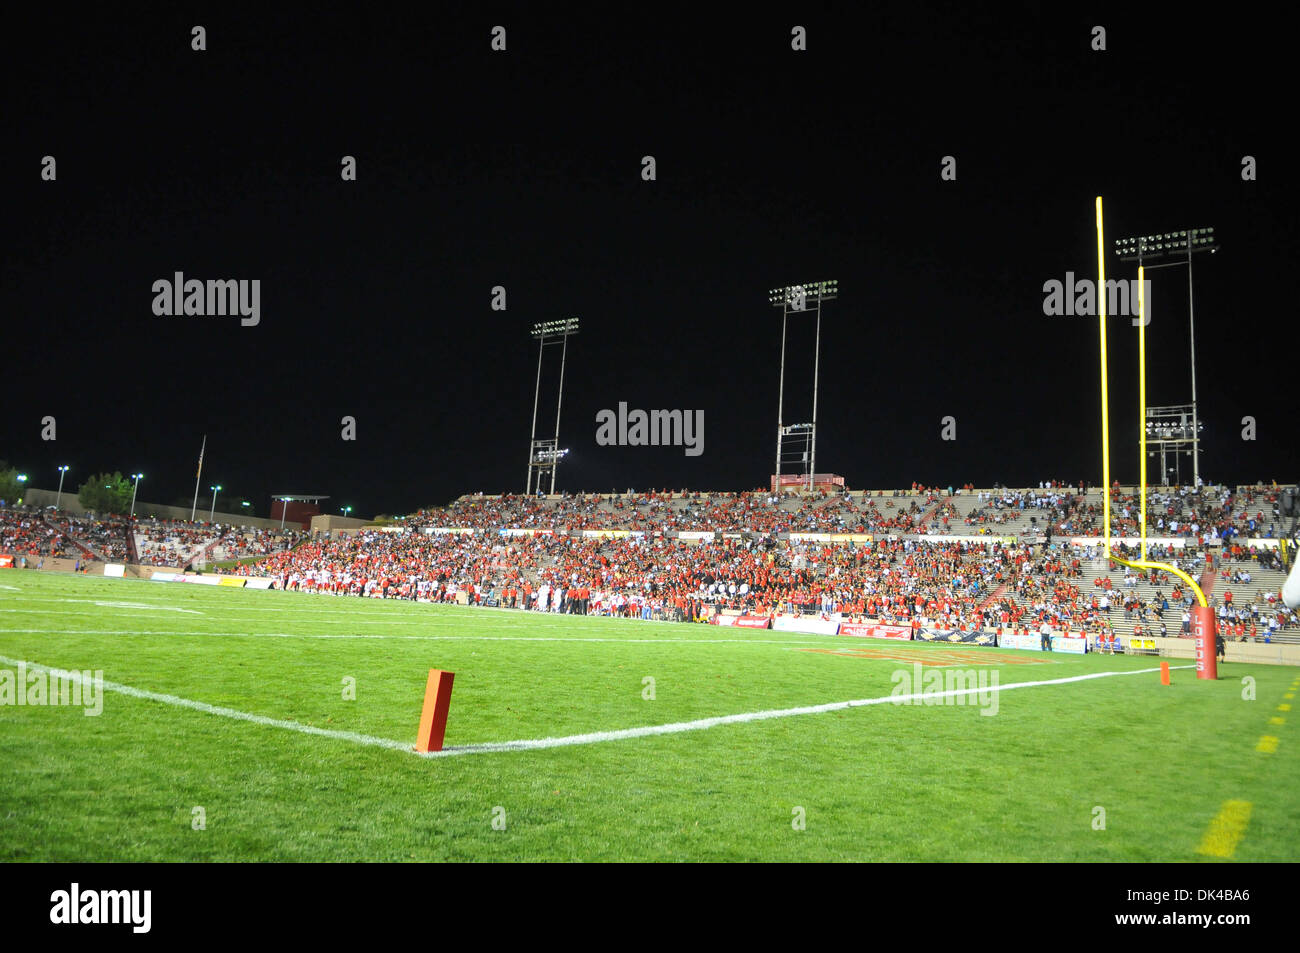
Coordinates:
965	560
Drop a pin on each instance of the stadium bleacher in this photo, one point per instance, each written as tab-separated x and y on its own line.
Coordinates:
967	559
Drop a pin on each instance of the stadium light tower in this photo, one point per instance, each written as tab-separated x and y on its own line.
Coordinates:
799	299
216	488
135	487
58	496
1178	246
545	454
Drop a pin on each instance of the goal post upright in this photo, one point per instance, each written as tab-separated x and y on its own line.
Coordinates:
1202	614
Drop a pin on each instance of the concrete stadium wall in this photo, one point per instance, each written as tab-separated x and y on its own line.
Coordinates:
1273	653
56	564
329	523
70	504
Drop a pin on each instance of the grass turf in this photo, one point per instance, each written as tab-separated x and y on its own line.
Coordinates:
881	783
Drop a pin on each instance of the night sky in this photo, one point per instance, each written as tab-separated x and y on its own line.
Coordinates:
523	169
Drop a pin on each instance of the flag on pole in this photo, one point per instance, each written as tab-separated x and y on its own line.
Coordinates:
197	476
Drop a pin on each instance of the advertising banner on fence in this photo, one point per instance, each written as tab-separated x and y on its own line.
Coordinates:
752	621
850	537
6	562
200	580
114	570
262	582
236	581
695	534
1033	642
163	577
724	619
615	533
1011	640
814	625
871	630
1072	645
953	635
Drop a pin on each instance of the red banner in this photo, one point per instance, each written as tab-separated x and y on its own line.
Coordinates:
868	630
752	621
6	562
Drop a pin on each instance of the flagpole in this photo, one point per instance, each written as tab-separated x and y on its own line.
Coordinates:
197	477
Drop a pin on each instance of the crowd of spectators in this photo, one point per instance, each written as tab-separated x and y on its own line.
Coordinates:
180	542
748	561
24	533
943	584
105	538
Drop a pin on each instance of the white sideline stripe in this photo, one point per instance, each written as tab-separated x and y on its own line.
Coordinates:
595	737
216	709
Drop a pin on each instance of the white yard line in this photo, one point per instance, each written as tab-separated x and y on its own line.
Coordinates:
534	744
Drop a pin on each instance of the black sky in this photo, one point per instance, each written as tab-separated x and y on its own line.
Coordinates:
522	169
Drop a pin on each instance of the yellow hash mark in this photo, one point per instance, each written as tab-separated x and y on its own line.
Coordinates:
1284	707
1277	720
1289	695
1226	830
1267	744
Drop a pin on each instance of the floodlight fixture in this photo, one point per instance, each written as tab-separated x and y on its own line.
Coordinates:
809	290
1179	243
545	329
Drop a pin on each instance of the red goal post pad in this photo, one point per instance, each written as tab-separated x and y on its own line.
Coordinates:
1203	631
437	702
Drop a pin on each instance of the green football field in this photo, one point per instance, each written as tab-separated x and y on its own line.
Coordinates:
199	752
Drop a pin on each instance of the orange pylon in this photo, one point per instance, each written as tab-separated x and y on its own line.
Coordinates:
437	702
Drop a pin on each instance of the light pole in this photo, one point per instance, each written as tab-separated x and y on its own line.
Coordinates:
1183	243
345	510
22	478
215	490
799	299
138	477
58	496
542	454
